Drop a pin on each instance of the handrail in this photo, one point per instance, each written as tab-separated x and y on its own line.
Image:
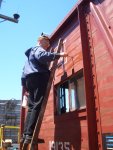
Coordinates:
2	128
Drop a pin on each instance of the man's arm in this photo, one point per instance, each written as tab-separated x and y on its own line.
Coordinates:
44	56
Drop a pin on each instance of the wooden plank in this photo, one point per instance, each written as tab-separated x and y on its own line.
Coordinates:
88	72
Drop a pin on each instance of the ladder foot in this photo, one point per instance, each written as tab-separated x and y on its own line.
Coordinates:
38	141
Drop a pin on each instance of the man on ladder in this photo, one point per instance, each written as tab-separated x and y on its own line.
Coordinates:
35	79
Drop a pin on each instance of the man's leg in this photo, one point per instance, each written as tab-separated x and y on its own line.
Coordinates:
30	107
40	84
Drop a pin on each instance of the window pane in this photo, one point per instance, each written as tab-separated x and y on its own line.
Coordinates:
81	92
72	99
67	99
73	94
58	101
63	98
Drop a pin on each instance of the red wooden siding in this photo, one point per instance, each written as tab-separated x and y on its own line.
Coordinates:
103	51
88	39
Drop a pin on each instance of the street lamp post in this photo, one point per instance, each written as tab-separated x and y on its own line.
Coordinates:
6	18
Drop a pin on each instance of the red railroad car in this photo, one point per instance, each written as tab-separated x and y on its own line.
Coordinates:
79	111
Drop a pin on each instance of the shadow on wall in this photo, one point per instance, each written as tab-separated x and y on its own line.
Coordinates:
67	134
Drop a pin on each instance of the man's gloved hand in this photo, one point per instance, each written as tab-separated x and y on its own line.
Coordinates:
63	54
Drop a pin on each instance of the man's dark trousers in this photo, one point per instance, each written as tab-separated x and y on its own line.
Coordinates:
36	84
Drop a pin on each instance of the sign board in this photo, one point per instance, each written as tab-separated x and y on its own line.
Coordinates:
108	141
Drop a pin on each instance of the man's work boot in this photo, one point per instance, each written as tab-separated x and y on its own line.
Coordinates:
27	139
22	139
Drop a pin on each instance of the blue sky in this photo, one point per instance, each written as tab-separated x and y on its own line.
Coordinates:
36	16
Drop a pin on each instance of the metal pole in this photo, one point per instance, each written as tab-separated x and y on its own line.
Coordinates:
8	18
